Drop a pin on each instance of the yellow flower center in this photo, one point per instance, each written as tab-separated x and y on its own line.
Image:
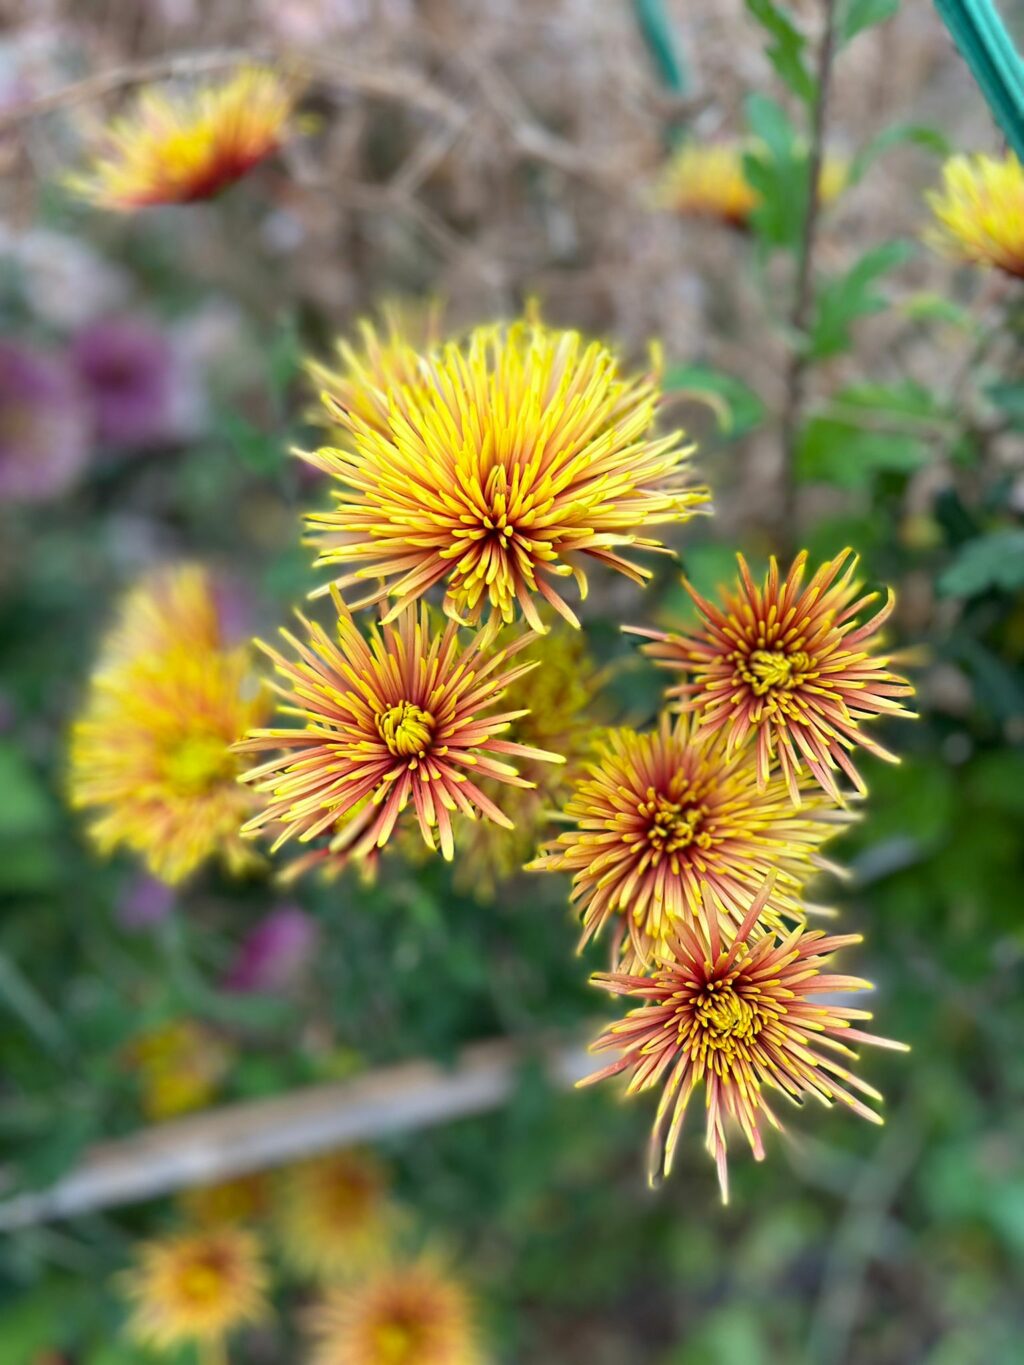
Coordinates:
406	729
672	825
768	670
397	1343
198	763
727	1021
202	1282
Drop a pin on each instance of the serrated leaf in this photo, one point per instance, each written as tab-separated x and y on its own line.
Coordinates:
785	50
869	429
840	302
995	560
857	15
737	406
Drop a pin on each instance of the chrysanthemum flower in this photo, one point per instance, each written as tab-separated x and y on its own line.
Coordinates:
334	1214
44	425
739	1020
151	752
195	1288
980	212
179	1067
394	719
521	458
790	665
408	1313
245	1199
387	359
709	181
560	699
662	816
173	149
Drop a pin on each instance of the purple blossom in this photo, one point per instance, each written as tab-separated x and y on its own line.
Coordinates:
44	432
145	901
274	953
131	373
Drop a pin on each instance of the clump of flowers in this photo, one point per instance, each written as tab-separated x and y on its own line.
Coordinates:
662	817
410	1312
151	754
738	1019
400	717
195	1289
245	1199
979	212
334	1214
791	666
174	149
515	461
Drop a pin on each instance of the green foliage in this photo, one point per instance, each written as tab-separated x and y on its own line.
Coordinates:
868	430
995	560
857	15
853	295
785	49
737	408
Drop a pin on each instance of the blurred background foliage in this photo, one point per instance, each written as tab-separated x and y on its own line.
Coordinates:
849	1244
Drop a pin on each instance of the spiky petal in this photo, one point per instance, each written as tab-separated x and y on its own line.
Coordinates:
736	1021
396	719
334	1214
520	458
661	816
980	212
789	667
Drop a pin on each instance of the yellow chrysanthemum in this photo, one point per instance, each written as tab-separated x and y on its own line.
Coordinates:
560	697
980	212
195	1288
179	1067
386	359
522	458
708	181
176	149
245	1199
411	1313
334	1214
662	817
151	752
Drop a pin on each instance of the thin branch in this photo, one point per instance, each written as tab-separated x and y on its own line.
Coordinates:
223	1143
804	295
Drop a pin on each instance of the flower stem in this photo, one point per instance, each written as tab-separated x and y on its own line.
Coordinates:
803	297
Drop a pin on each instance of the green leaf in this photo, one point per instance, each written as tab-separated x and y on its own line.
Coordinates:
261	451
25	808
857	15
1008	397
770	123
785	51
992	561
737	407
927	307
897	135
868	429
840	302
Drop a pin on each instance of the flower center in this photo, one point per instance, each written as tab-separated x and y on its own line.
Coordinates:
726	1019
202	1282
406	729
768	670
198	764
671	825
398	1342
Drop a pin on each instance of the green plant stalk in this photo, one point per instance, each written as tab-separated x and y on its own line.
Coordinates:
983	42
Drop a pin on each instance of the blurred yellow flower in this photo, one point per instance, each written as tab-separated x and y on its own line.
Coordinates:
334	1214
244	1199
179	1067
176	149
980	212
708	181
406	1313
523	458
150	753
195	1288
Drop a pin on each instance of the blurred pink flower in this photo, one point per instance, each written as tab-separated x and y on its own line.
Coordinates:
131	372
274	952
44	430
145	901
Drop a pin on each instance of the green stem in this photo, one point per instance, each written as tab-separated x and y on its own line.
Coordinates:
803	298
661	43
986	47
